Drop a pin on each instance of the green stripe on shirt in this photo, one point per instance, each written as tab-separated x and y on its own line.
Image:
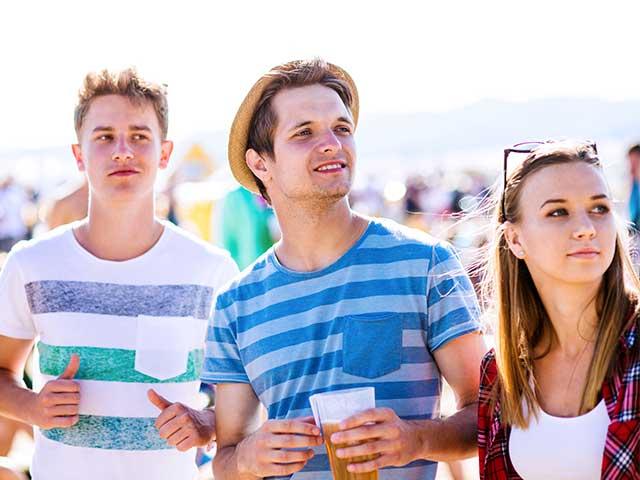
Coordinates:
112	433
110	364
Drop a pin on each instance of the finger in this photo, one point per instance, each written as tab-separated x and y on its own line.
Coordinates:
56	398
62	386
293	441
62	411
289	456
361	434
63	399
369	448
71	368
64	422
177	437
283	470
167	415
157	399
171	427
186	444
292	426
370	465
367	416
310	419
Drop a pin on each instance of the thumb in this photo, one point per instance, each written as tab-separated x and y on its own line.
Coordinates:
72	368
157	399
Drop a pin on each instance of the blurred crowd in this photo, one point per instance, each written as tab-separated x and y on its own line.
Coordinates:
213	208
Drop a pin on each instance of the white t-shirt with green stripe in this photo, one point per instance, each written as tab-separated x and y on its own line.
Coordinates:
136	324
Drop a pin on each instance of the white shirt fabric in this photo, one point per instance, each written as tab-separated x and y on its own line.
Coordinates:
136	324
559	448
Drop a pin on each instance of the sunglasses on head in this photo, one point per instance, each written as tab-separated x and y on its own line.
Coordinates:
525	147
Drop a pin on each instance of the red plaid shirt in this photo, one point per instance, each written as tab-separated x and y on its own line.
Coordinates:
621	393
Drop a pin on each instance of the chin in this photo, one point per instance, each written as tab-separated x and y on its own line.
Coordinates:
584	277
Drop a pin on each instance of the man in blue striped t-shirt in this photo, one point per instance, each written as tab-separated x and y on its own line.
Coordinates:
341	301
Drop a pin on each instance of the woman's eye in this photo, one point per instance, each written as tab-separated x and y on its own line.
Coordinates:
303	133
343	129
558	212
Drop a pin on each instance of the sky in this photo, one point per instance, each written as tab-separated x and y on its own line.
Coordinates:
405	56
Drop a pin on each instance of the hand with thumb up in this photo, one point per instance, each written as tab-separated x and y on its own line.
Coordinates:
56	405
183	427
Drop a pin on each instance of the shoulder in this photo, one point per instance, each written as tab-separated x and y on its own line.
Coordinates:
44	244
188	243
251	282
383	232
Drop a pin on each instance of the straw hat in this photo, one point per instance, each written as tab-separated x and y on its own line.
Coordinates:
239	135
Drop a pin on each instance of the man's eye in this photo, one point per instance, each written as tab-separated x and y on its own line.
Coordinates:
139	136
601	209
104	137
303	133
344	129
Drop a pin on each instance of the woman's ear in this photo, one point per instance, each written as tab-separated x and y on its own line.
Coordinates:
514	240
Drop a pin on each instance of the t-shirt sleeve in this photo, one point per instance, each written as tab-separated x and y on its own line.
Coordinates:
15	315
222	363
452	305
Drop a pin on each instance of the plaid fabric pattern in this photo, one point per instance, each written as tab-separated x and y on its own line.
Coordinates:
621	393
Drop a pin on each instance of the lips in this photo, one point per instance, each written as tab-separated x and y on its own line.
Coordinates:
585	253
333	166
125	172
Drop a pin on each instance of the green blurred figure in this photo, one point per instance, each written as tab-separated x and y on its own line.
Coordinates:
248	226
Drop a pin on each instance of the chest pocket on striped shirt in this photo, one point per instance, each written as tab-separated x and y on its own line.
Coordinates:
163	344
372	345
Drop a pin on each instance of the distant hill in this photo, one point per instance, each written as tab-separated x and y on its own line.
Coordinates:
473	135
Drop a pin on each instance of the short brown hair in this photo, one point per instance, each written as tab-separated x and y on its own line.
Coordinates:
127	83
299	73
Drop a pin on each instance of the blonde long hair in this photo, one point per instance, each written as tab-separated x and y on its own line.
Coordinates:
522	321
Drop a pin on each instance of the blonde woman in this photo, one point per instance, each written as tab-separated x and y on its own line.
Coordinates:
560	395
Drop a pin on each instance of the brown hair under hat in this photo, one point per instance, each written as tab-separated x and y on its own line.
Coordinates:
255	121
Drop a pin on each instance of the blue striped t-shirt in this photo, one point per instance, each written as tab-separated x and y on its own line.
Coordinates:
372	318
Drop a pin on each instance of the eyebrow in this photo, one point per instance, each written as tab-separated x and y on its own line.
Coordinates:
101	128
600	196
309	122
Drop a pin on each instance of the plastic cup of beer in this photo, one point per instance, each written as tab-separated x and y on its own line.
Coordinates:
329	409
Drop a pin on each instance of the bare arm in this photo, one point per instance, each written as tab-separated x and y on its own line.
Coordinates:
455	437
248	451
56	405
15	399
398	442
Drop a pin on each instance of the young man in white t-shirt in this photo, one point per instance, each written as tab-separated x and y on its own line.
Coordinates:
118	304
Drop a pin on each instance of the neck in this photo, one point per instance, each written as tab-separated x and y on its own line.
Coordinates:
572	311
313	238
119	231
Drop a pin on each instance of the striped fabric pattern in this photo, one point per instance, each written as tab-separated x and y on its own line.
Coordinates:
136	324
115	364
373	318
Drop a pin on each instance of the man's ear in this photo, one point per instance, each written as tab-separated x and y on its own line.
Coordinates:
77	153
166	147
258	165
514	240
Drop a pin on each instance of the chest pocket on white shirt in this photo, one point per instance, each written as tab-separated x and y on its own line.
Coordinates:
163	344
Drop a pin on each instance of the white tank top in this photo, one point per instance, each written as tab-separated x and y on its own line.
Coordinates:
561	448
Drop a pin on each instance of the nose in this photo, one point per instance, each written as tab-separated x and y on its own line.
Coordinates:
330	143
122	151
584	229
